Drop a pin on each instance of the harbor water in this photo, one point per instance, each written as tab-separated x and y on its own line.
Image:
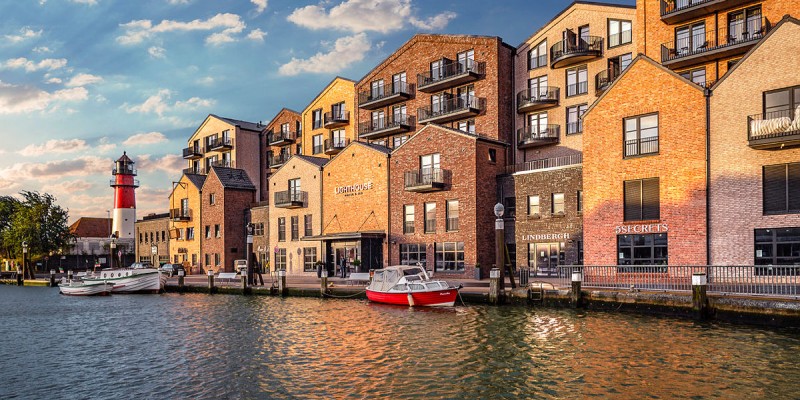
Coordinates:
225	346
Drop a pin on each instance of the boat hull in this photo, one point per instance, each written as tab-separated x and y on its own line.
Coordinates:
86	289
434	298
133	281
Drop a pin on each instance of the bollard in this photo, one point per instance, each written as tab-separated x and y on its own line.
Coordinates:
699	297
210	281
181	274
245	289
494	286
69	275
19	277
52	278
575	294
282	282
323	283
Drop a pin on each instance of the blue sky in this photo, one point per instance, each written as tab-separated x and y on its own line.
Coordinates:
81	81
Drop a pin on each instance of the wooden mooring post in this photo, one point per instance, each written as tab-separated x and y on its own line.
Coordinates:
181	281
210	274
575	293
699	296
52	278
495	291
323	283
245	289
282	282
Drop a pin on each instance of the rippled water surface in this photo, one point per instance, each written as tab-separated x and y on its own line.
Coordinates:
200	346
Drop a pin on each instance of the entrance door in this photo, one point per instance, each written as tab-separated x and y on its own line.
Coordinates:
347	252
548	257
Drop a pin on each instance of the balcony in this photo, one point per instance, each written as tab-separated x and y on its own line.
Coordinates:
192	153
538	135
198	170
566	53
641	146
773	131
279	160
178	215
451	109
281	138
537	99
427	180
713	45
546	163
450	74
604	79
336	119
676	11
290	199
222	163
373	99
220	144
335	145
385	127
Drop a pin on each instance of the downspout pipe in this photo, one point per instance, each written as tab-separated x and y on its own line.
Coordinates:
707	92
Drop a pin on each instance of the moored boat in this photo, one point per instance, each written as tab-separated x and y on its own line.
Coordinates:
131	280
410	286
78	288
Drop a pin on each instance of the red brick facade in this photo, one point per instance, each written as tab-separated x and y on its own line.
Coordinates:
291	146
228	211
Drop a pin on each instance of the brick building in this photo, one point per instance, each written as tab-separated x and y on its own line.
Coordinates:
282	139
295	214
755	161
185	216
327	123
152	231
259	217
442	193
225	198
644	170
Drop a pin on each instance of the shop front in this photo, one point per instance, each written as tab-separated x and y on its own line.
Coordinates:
353	252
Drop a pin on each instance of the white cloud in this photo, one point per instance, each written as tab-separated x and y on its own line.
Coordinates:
83	80
206	81
346	51
104	145
169	163
68	187
24	34
227	25
54	146
159	104
42	50
366	15
177	2
194	103
53	80
157	52
88	2
57	169
261	5
17	99
256	35
141	139
49	64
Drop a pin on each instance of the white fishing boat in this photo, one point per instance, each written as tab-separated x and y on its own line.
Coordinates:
78	288
131	280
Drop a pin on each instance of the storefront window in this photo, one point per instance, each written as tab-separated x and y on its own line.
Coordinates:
309	258
642	250
413	253
450	256
779	246
544	258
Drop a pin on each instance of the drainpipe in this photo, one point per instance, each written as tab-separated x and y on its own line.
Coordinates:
707	92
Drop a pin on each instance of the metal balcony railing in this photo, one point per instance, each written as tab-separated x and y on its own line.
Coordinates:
537	98
277	138
379	97
537	61
220	143
643	146
389	125
538	135
544	163
222	163
450	73
333	119
727	40
290	199
280	159
618	39
776	129
427	179
566	52
192	152
194	170
177	214
450	109
604	79
335	145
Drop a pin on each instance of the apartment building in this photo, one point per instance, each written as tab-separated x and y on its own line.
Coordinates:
152	238
559	72
327	119
259	217
282	139
185	215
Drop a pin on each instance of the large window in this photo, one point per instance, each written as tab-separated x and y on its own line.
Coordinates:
258	229
577	81
316	119
619	32
642	250
780	246
282	229
574	122
557	203
782	188
430	217
466	126
533	205
782	103
295	228
399	83
413	253
690	39
408	218
317	144
450	256
309	258
642	200
641	135
537	88
537	124
377	89
698	76
308	225
745	24
537	56
452	215
280	259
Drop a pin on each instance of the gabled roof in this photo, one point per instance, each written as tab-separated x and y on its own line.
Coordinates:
277	116
375	147
326	88
233	178
196	179
567	8
456	132
250	126
91	227
318	162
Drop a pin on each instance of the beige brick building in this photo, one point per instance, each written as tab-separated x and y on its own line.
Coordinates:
185	216
152	231
259	217
282	138
329	119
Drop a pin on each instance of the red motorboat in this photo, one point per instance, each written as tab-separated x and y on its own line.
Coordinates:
410	286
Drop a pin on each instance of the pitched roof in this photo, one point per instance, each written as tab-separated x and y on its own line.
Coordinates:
382	149
328	86
233	178
91	227
250	126
196	179
318	161
454	131
567	8
125	158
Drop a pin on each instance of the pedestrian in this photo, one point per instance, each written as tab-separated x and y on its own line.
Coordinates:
257	270
343	267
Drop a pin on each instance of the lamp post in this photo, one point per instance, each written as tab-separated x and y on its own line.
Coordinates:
24	257
112	246
499	241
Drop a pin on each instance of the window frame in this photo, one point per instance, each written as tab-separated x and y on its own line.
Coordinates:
408	225
638	139
620	23
430	215
449	225
281	229
577	70
538	205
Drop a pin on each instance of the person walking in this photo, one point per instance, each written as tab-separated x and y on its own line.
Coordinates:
343	267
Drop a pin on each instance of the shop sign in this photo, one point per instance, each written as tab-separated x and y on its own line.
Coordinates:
353	190
545	237
644	228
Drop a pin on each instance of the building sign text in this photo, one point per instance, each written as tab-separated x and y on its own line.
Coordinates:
646	228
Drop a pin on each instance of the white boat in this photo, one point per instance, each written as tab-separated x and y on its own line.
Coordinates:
131	280
78	288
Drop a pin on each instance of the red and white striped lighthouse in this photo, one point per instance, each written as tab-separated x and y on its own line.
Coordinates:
124	184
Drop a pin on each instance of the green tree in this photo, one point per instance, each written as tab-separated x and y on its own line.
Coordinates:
8	207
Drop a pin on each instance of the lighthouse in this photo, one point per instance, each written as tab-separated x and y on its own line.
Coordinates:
124	185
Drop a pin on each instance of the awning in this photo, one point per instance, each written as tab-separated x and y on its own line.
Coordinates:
348	236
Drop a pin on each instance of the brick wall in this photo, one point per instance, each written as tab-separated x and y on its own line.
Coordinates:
145	227
283	117
228	211
185	248
339	90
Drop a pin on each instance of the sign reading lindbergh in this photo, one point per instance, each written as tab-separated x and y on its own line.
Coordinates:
352	190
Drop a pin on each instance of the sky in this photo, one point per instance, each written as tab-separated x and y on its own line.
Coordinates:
81	81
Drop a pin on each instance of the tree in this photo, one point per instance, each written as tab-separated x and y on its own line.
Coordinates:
8	207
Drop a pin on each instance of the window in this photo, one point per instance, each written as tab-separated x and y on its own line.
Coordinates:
378	119
641	135
317	144
690	39
449	256
467	126
731	63
280	259
510	204
579	203
781	103
399	140
163	236
399	114
466	60
212	199
189	233
216	259
557	206
537	56
544	258
537	124
533	205
399	83
452	215
625	60
430	217
744	24
377	89
140	237
294	190
282	229
780	246
295	227
307	225
465	95
619	32
493	155
642	200
697	76
642	250
428	163
339	111
184	207
208	259
583	35
408	219
285	128
413	253
577	81
298	149
309	258
781	190
316	119
537	88
180	234
217	231
338	137
258	229
208	231
574	122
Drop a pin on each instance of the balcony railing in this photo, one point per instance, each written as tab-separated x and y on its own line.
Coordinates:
220	144
222	163
532	99
290	199
452	224
114	183
538	135
712	45
643	146
408	227
565	52
176	214
317	149
427	180
194	170
336	119
281	138
574	127
546	163
280	159
452	109
191	153
604	79
372	99
335	145
430	226
675	11
773	130
381	127
537	62
450	74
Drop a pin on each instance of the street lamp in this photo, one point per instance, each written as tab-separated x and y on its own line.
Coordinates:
112	246
24	256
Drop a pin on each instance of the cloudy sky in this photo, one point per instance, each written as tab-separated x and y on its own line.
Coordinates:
81	81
